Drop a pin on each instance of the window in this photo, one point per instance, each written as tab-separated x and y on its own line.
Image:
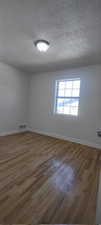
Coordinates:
67	96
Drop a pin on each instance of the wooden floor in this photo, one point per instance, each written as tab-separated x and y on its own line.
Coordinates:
44	180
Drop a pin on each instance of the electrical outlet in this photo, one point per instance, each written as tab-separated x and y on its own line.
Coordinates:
22	126
99	133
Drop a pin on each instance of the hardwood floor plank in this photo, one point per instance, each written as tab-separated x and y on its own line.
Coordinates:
44	180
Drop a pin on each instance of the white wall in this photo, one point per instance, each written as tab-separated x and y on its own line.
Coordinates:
13	99
81	129
17	98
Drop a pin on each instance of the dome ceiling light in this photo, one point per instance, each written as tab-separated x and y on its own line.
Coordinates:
42	45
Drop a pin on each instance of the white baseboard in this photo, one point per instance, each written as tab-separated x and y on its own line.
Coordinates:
12	132
75	140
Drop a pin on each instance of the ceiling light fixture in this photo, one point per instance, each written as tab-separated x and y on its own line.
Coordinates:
42	45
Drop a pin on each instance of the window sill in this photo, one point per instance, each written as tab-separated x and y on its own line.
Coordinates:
66	115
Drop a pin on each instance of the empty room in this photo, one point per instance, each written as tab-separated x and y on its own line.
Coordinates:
50	112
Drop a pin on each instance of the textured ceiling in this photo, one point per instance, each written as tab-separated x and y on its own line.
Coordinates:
73	28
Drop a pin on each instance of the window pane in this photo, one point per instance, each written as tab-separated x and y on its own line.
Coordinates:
66	110
74	111
61	92
76	84
75	92
68	92
60	105
60	110
75	102
61	84
67	106
67	102
69	84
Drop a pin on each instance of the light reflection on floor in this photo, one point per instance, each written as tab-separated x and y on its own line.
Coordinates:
63	180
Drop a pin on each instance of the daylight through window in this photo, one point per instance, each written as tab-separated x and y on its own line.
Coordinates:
67	97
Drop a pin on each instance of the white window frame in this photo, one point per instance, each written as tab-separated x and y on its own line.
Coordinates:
56	96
